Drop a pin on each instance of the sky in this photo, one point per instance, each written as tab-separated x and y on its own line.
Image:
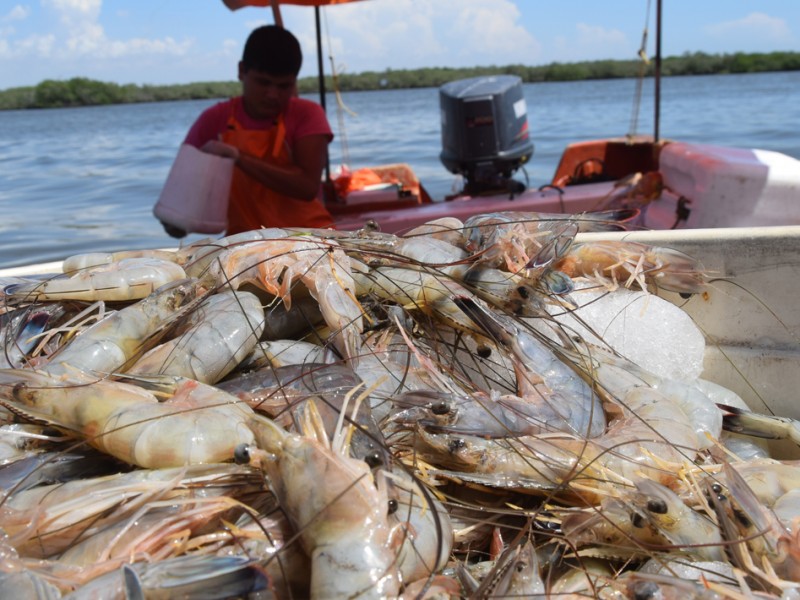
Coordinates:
184	41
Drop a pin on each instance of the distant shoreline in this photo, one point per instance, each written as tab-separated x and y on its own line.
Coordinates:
80	91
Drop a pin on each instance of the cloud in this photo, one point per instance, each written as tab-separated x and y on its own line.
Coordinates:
593	42
755	25
373	36
81	35
18	13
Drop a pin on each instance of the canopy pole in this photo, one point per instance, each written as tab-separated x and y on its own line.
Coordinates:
657	117
276	12
320	68
328	193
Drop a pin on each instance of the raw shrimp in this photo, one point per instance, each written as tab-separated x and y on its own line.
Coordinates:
761	544
510	293
191	576
322	266
109	345
542	378
283	392
46	520
524	243
127	279
229	326
654	440
447	229
687	529
515	574
488	415
197	424
338	510
626	263
21	330
423	525
78	262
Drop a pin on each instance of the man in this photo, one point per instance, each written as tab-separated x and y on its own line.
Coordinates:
278	141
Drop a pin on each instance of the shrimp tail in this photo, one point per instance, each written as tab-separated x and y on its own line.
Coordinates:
185	576
768	427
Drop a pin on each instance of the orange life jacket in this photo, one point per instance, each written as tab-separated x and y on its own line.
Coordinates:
253	205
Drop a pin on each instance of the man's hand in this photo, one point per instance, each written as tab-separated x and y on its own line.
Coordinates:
221	149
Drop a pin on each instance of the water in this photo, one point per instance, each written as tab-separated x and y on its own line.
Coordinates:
85	179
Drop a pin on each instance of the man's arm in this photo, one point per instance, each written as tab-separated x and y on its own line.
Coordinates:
299	180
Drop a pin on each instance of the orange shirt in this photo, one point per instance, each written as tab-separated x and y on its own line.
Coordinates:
252	205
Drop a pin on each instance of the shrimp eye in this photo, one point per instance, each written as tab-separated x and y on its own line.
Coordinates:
645	590
484	351
440	408
241	454
393	506
716	488
523	292
457	444
373	459
637	520
657	506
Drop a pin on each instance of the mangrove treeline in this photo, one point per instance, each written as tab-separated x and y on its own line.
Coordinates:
80	91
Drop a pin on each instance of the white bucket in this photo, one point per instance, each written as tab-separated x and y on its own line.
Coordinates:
195	195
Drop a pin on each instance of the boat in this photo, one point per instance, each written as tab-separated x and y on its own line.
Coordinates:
485	139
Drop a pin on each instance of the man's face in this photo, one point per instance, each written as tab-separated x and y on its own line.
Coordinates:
265	96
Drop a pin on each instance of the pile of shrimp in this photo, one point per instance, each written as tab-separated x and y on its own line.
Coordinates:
312	413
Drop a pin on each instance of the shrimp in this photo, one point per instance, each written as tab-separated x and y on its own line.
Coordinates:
322	266
229	326
20	336
511	293
110	344
687	529
191	576
47	520
196	424
127	279
423	524
542	378
515	574
447	229
283	392
761	544
78	262
338	510
489	415
626	263
653	440
524	243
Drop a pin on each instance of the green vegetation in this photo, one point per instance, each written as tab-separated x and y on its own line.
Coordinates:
80	91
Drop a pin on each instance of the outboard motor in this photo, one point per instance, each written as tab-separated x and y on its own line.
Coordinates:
485	132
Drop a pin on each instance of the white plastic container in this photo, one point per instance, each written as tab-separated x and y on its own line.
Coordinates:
733	187
195	195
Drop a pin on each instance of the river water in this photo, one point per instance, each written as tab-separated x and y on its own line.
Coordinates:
85	179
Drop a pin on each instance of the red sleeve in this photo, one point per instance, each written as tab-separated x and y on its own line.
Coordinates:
304	117
209	125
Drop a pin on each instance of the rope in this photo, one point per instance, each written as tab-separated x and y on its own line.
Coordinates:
341	108
637	97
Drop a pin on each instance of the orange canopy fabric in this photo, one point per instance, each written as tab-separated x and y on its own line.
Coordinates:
234	4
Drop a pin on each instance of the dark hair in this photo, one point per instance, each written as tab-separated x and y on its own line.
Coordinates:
273	50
